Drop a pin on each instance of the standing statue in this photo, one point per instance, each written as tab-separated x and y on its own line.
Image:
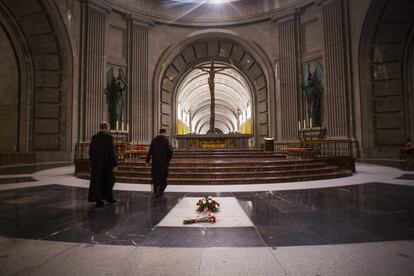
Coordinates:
116	89
312	89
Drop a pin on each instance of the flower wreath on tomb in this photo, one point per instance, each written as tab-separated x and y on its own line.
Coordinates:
206	207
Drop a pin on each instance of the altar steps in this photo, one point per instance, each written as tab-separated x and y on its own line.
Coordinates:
225	167
222	169
238	180
232	174
229	155
223	162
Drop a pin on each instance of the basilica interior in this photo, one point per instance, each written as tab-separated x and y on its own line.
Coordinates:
297	116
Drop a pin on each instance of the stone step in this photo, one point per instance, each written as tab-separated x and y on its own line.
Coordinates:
220	151
227	168
263	153
239	180
231	175
214	167
260	156
219	162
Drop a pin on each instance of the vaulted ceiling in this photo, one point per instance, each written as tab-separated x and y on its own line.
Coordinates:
232	99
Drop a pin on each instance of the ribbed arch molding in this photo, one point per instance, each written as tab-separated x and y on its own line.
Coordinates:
247	80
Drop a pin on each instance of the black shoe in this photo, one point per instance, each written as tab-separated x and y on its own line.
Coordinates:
100	203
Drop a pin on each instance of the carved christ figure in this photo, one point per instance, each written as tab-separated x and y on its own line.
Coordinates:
212	70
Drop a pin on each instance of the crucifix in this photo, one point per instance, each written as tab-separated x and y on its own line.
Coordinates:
212	70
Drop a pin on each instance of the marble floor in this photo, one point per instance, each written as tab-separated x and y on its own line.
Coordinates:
358	225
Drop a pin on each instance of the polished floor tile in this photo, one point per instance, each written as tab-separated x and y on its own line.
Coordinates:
204	237
337	215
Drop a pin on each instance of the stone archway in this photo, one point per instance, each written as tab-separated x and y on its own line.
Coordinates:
386	98
226	49
45	59
233	101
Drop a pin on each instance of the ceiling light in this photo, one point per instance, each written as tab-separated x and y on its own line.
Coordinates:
205	1
216	1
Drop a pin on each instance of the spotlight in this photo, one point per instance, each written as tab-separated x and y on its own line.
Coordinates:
204	1
217	1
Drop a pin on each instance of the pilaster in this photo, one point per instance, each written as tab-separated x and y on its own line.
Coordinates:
336	117
289	75
139	116
93	104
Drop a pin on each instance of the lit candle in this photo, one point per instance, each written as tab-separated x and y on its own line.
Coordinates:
304	123
299	125
117	125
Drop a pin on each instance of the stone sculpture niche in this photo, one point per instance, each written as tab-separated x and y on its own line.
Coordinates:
312	89
116	90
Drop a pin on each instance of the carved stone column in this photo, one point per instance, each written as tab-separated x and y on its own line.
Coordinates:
337	101
139	117
289	77
92	97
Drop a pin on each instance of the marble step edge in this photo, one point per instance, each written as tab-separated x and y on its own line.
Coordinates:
230	154
241	172
254	175
220	162
256	180
225	169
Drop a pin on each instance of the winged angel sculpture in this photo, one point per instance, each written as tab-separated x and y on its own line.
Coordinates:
116	88
312	89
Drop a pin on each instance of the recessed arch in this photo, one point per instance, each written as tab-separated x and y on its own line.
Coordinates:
384	53
224	47
45	60
232	96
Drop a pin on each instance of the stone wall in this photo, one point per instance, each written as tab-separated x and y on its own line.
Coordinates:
285	36
135	45
9	95
40	50
358	10
292	38
384	63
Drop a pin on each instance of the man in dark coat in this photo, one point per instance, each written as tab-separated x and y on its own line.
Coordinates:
103	164
161	154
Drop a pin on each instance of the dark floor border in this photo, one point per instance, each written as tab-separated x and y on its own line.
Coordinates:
32	168
398	164
13	180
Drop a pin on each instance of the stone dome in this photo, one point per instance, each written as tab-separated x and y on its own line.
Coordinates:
203	12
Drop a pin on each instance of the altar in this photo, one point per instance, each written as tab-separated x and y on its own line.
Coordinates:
213	141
